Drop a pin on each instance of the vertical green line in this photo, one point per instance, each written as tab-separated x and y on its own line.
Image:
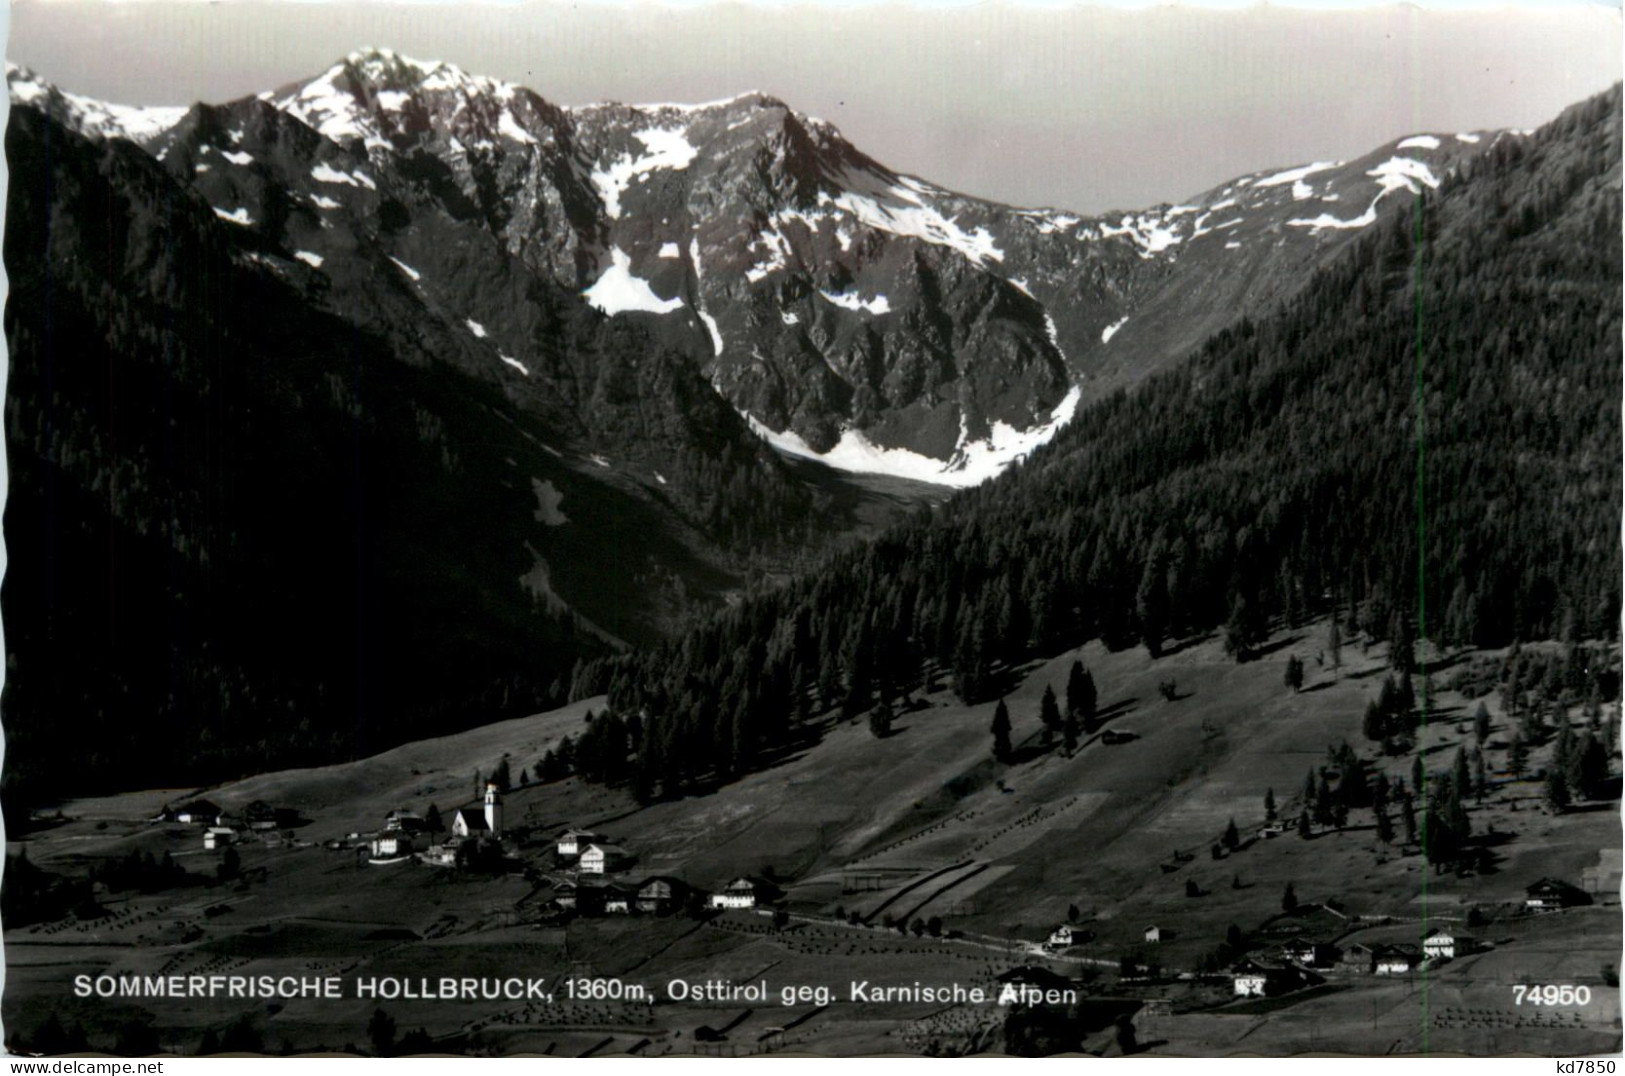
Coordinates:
1421	565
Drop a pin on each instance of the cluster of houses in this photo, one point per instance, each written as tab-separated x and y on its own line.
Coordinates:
407	835
590	889
258	821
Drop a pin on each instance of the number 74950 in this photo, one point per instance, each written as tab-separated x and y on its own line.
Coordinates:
1551	994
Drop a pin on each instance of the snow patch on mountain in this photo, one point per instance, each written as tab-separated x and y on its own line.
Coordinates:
235	216
617	291
515	363
237	158
326	173
711	327
901	210
475	327
407	269
1396	173
1419	142
1148	231
972	464
310	258
663	148
851	300
1110	331
1293	175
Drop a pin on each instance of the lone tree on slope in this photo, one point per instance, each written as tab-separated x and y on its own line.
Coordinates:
1001	731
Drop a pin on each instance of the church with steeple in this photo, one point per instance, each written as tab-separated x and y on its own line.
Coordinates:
480	819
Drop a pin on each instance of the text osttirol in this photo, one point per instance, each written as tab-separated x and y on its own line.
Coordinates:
756	993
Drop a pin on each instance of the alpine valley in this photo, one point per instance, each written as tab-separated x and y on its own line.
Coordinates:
369	406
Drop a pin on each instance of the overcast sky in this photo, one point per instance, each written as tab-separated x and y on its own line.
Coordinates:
1083	108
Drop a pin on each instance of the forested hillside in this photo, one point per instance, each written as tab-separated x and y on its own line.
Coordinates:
1426	441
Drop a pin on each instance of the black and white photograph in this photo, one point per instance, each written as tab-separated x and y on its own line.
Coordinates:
823	529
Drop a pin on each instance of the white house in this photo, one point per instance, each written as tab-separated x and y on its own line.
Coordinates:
218	837
1060	938
1443	943
602	858
391	844
572	841
1395	960
1251	979
480	819
739	893
1153	933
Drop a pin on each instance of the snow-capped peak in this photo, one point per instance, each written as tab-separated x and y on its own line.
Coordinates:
88	116
367	96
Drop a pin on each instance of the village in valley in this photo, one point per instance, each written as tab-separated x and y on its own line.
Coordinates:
1193	851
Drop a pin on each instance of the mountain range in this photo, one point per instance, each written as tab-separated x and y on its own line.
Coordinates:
371	405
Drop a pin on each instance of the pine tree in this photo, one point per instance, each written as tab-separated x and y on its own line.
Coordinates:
1334	643
1557	790
1001	731
1303	824
1385	826
1049	714
880	719
1481	723
1289	900
1407	814
1269	804
1232	836
1294	673
1081	695
1518	756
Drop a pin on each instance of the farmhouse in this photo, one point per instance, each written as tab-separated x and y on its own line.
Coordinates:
602	858
572	841
480	819
405	822
1257	979
661	895
1310	954
199	812
618	899
1270	831
391	845
1395	959
1060	938
262	816
1357	957
564	895
1442	943
1550	894
743	893
218	837
1153	934
1251	979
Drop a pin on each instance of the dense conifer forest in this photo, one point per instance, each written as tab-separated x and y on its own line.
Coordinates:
1425	443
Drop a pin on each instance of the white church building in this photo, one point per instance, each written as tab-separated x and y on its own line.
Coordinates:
480	819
